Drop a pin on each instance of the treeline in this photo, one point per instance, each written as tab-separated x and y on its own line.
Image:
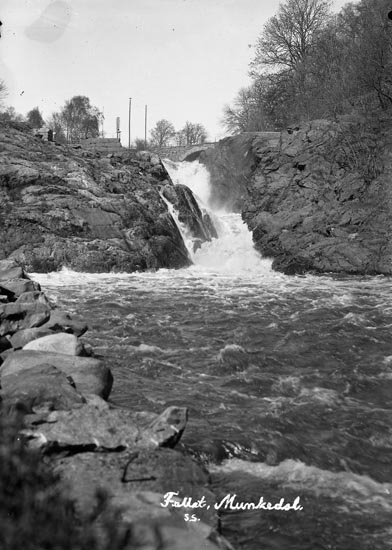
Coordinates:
164	134
76	120
310	63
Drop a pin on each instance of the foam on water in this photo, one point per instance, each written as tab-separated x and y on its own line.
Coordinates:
232	253
358	490
282	370
192	174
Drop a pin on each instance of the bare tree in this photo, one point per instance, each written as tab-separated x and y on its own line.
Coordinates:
180	138
194	133
310	65
288	37
249	112
57	124
163	133
262	106
283	52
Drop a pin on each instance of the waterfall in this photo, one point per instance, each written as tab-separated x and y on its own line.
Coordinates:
233	251
183	229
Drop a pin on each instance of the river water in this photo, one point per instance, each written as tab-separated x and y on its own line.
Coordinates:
288	381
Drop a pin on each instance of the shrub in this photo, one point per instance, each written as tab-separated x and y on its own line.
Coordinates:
34	515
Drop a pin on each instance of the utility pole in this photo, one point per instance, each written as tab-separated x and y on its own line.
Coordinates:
145	126
129	122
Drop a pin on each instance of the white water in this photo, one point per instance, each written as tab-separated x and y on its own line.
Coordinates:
233	252
294	372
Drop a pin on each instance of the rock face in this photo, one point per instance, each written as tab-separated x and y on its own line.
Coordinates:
317	198
198	222
231	164
65	207
321	199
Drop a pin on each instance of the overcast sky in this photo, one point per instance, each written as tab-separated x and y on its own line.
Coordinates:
185	59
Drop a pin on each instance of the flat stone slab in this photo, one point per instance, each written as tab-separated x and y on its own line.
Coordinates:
95	426
89	374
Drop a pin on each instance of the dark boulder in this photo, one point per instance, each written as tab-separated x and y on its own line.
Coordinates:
61	321
4	344
89	374
189	213
197	220
16	316
44	386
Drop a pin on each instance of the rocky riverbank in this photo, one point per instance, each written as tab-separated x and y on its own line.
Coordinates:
62	388
317	198
64	206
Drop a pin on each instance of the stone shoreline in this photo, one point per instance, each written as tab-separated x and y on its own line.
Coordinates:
62	390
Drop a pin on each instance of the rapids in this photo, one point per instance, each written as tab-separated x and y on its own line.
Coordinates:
288	380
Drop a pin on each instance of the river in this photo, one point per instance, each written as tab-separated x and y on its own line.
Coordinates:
288	380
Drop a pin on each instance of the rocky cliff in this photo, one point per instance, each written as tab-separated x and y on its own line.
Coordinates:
61	206
231	164
319	198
